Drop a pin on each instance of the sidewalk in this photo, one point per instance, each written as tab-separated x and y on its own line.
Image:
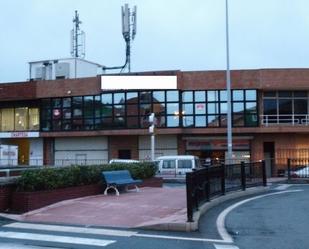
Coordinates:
149	207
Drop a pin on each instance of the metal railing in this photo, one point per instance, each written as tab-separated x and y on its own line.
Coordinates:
286	119
297	168
204	184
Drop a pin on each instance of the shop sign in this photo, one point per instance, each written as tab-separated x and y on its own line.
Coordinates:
19	134
216	145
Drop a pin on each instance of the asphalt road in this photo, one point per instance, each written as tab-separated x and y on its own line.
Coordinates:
276	221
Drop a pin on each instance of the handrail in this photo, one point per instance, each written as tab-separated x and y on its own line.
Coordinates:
285	119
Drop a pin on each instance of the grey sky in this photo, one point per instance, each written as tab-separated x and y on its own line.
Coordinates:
171	34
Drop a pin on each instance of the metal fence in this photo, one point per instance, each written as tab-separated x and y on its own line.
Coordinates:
297	168
207	183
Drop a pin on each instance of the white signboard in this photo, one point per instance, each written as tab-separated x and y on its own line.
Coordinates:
116	82
19	134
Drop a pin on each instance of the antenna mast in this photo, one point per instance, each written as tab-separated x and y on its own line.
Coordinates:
128	32
77	38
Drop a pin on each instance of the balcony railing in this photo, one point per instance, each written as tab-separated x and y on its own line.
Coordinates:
286	119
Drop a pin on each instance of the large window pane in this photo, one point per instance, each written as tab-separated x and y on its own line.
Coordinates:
107	110
212	96
250	95
300	106
88	107
223	95
238	107
34	119
251	107
188	121
132	122
158	96
187	96
145	97
285	94
187	109
172	108
159	109
223	108
238	95
21	119
238	120
132	110
56	103
200	121
285	106
172	121
270	107
200	108
119	110
213	120
132	98
7	119
212	108
145	109
107	98
66	102
77	101
119	98
199	96
172	96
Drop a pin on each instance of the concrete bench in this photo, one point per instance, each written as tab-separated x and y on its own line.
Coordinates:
119	178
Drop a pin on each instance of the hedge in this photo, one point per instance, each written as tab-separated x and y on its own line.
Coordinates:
76	175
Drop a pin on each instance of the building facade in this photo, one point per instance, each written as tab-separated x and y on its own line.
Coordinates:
91	120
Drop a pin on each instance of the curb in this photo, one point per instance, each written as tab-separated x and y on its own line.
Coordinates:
193	226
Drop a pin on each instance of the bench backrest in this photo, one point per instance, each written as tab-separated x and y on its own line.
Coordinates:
112	176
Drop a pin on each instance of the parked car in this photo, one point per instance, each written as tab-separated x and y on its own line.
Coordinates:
123	161
301	172
177	165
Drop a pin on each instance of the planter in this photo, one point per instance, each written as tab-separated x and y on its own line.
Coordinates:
26	201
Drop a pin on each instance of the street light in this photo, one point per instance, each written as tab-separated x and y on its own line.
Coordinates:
228	88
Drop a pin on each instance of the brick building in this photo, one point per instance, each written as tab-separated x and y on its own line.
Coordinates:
91	120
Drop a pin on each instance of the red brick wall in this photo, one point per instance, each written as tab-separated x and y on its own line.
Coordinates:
18	91
116	143
5	197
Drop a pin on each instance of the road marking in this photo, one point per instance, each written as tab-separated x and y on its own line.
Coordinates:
22	246
55	238
283	187
221	218
71	229
225	246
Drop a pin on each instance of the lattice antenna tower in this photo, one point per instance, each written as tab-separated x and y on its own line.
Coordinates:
128	30
77	38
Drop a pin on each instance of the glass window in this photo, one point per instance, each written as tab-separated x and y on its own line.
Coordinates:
213	120
270	107
158	96
188	121
107	110
212	96
285	94
159	109
119	98
77	124
238	107
77	101
172	96
187	109
200	108
57	114
7	119
270	94
107	122
187	96
145	97
88	124
46	113
200	121
223	107
46	125
56	103
46	103
132	110
119	110
212	108
172	121
144	121
298	94
21	119
250	95
238	95
66	125
66	102
285	106
88	107
238	120
223	120
132	122
77	112
184	164
56	125
223	95
172	108
199	96
169	164
160	121
145	109
119	122
34	119
251	107
251	119
300	106
132	98
107	98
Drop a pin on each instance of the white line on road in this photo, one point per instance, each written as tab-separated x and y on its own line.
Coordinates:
221	218
71	229
283	187
217	246
55	238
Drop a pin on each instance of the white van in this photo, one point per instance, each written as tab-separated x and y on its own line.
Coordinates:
177	165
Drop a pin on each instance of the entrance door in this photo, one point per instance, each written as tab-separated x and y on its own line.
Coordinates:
23	149
124	154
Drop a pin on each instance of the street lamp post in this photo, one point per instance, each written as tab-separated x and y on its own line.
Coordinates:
228	88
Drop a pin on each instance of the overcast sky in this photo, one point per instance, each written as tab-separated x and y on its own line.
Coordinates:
171	34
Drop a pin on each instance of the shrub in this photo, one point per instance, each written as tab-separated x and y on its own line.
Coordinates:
53	178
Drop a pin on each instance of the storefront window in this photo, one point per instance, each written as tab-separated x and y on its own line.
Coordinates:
7	119
199	96
187	96
158	96
21	119
172	96
34	120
